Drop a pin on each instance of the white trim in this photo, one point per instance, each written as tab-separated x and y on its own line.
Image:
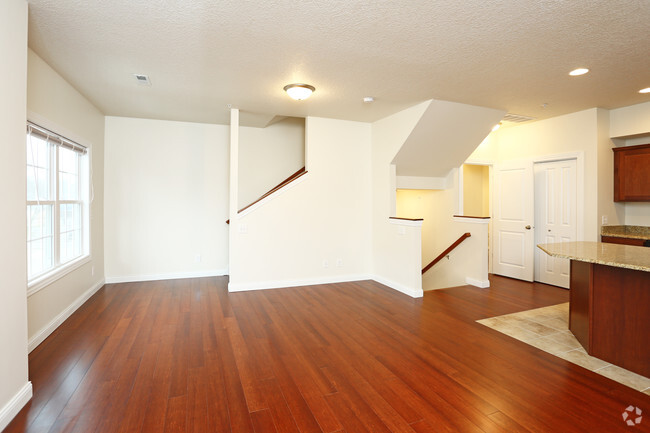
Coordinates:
13	406
45	332
272	196
402	222
413	293
43	281
265	285
170	276
483	284
470	220
270	285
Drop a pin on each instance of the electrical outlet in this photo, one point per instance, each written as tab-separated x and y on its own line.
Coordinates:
326	264
604	220
401	230
197	258
92	271
339	263
243	229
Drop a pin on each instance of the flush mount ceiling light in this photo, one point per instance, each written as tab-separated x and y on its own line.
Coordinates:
497	126
646	90
579	71
299	91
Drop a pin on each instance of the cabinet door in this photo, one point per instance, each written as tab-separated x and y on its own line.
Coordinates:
632	173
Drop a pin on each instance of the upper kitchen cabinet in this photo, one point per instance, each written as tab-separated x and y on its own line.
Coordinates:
632	173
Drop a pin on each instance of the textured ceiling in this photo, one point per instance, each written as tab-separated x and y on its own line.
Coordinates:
202	55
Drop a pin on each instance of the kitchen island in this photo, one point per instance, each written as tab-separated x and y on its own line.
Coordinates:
609	302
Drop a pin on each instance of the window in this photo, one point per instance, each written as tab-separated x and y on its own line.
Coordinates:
57	203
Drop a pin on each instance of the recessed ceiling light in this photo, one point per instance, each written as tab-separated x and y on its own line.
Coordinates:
299	91
646	90
368	99
579	71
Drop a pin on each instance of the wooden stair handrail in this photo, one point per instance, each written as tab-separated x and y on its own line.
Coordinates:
287	181
447	251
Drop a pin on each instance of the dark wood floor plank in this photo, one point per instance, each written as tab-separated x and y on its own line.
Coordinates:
187	356
263	421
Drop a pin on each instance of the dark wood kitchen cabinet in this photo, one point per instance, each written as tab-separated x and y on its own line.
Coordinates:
632	173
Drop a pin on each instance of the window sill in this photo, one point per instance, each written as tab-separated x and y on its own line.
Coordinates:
43	281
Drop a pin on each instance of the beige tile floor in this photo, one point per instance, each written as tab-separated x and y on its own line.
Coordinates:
548	329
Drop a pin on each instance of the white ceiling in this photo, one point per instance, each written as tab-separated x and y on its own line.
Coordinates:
202	55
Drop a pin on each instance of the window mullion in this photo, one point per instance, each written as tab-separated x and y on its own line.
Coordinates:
56	222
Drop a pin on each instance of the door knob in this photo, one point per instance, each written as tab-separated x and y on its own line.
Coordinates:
527	227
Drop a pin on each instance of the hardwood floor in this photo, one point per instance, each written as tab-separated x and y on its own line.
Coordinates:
187	356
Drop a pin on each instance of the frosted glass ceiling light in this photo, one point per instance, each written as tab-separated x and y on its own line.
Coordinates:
299	91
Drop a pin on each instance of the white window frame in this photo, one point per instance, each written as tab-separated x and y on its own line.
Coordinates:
59	270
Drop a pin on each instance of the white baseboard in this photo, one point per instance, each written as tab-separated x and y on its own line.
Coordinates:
413	293
11	409
58	320
483	284
264	285
172	276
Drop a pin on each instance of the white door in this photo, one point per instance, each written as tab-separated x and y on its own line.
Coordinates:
555	217
513	220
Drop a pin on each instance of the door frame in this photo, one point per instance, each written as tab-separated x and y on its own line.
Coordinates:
579	156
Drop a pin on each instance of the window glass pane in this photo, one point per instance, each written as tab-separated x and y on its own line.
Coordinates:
48	252
68	174
35	222
39	157
31	183
68	161
69	217
43	156
70	234
39	221
42	184
48	220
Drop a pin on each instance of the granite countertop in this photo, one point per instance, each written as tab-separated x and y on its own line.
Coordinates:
621	256
630	232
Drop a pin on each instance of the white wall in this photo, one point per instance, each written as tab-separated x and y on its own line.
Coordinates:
269	155
15	389
629	121
571	133
632	125
53	103
476	190
396	257
615	212
468	263
166	199
321	217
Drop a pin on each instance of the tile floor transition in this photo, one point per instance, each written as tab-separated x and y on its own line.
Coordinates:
547	329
